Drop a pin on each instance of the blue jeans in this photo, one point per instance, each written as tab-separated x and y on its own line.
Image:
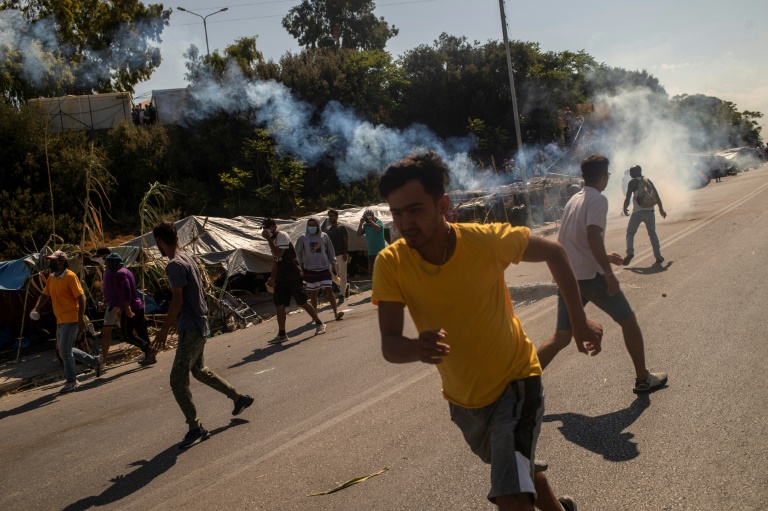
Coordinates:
649	218
66	335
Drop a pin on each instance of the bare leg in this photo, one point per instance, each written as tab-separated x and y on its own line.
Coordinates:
106	342
552	346
518	502
332	299
633	340
313	298
280	313
545	497
312	312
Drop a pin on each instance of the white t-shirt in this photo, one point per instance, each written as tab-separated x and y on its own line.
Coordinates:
588	207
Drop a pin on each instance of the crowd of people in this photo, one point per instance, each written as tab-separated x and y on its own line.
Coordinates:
450	277
144	115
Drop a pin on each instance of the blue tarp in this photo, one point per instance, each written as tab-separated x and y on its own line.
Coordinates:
13	275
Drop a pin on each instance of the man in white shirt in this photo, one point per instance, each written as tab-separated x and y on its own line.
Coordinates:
582	234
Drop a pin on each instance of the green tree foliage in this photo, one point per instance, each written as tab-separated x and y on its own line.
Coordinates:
78	46
137	158
278	179
338	24
25	219
714	123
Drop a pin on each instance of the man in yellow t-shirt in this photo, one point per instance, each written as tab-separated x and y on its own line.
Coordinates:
64	290
451	278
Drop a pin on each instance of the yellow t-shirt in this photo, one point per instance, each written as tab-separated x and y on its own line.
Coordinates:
470	300
64	293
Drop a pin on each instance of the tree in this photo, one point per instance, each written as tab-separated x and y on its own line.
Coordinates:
338	24
78	46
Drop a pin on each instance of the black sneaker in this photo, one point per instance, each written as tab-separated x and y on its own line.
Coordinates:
194	436
241	404
150	357
627	259
99	369
568	503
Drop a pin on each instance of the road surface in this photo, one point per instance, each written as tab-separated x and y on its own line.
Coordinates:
329	409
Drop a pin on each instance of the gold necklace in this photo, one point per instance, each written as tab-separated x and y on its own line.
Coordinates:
445	256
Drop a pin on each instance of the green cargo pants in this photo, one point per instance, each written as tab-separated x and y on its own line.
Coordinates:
189	357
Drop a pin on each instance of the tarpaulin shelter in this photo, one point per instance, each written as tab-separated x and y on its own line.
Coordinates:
88	112
236	244
170	104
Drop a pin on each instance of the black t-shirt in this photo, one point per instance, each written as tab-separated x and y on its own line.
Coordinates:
338	234
288	269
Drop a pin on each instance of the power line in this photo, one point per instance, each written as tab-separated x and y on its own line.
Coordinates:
282	15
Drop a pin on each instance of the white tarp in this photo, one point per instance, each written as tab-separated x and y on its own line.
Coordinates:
89	112
170	104
237	244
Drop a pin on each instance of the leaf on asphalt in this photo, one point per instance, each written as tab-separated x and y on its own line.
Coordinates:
264	370
349	483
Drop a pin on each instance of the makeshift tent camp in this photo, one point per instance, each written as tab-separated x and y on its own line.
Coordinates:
90	112
236	244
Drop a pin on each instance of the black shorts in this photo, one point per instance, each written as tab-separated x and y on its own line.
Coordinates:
284	291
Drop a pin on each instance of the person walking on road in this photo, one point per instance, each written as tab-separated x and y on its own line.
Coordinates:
340	239
287	280
315	253
451	278
64	290
645	198
189	311
124	310
373	230
582	233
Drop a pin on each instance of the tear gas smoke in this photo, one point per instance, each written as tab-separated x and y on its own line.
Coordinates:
357	146
35	50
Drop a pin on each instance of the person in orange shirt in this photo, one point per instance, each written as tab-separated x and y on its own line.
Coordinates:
451	278
64	290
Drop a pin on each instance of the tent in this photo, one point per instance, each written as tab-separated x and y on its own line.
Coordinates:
170	104
90	112
236	244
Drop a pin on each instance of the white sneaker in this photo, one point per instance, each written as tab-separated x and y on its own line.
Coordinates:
654	382
70	386
320	329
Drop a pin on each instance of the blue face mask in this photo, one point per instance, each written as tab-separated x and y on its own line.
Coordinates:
312	230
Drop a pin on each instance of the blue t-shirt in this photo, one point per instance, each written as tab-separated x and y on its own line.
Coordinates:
374	239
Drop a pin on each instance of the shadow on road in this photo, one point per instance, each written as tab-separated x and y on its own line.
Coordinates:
271	349
654	268
603	434
40	402
127	484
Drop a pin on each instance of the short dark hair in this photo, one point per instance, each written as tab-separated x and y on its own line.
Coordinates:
427	168
636	171
267	223
593	167
166	232
103	251
333	212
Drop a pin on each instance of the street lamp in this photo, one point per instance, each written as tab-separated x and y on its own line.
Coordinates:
205	27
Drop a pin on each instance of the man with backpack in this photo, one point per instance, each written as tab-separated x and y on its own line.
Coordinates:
645	199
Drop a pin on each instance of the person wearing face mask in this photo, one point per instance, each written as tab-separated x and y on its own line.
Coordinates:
64	290
318	261
287	280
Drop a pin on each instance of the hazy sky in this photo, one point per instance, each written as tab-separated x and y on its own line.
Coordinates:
693	46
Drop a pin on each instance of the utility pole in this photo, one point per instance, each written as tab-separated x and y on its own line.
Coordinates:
514	95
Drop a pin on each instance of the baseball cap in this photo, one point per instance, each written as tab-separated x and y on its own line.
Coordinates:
58	255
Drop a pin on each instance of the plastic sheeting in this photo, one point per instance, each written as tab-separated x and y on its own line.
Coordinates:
237	244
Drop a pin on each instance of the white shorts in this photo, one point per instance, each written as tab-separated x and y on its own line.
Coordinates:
112	316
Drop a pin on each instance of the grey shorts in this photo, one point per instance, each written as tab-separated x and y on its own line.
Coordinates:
112	316
595	291
504	434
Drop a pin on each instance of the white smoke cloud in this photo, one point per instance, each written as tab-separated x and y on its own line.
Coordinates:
357	146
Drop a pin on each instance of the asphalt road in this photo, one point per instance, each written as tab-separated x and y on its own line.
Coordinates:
329	409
